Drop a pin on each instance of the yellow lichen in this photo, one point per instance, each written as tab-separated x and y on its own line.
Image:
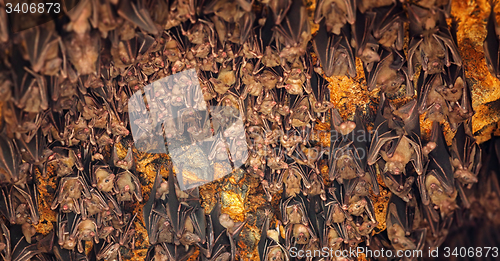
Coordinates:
234	205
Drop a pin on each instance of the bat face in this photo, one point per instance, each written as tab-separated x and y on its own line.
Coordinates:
65	159
431	55
317	185
103	178
173	50
81	130
300	234
86	230
295	78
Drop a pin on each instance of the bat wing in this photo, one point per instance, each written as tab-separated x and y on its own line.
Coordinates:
137	15
440	159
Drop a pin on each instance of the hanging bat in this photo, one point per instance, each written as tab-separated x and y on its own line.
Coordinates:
25	249
398	230
320	96
138	15
366	46
336	205
70	194
465	155
388	26
397	143
440	180
293	34
39	44
335	52
337	14
348	141
19	204
10	163
217	242
430	45
127	187
457	95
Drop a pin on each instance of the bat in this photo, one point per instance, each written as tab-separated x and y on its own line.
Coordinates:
335	52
